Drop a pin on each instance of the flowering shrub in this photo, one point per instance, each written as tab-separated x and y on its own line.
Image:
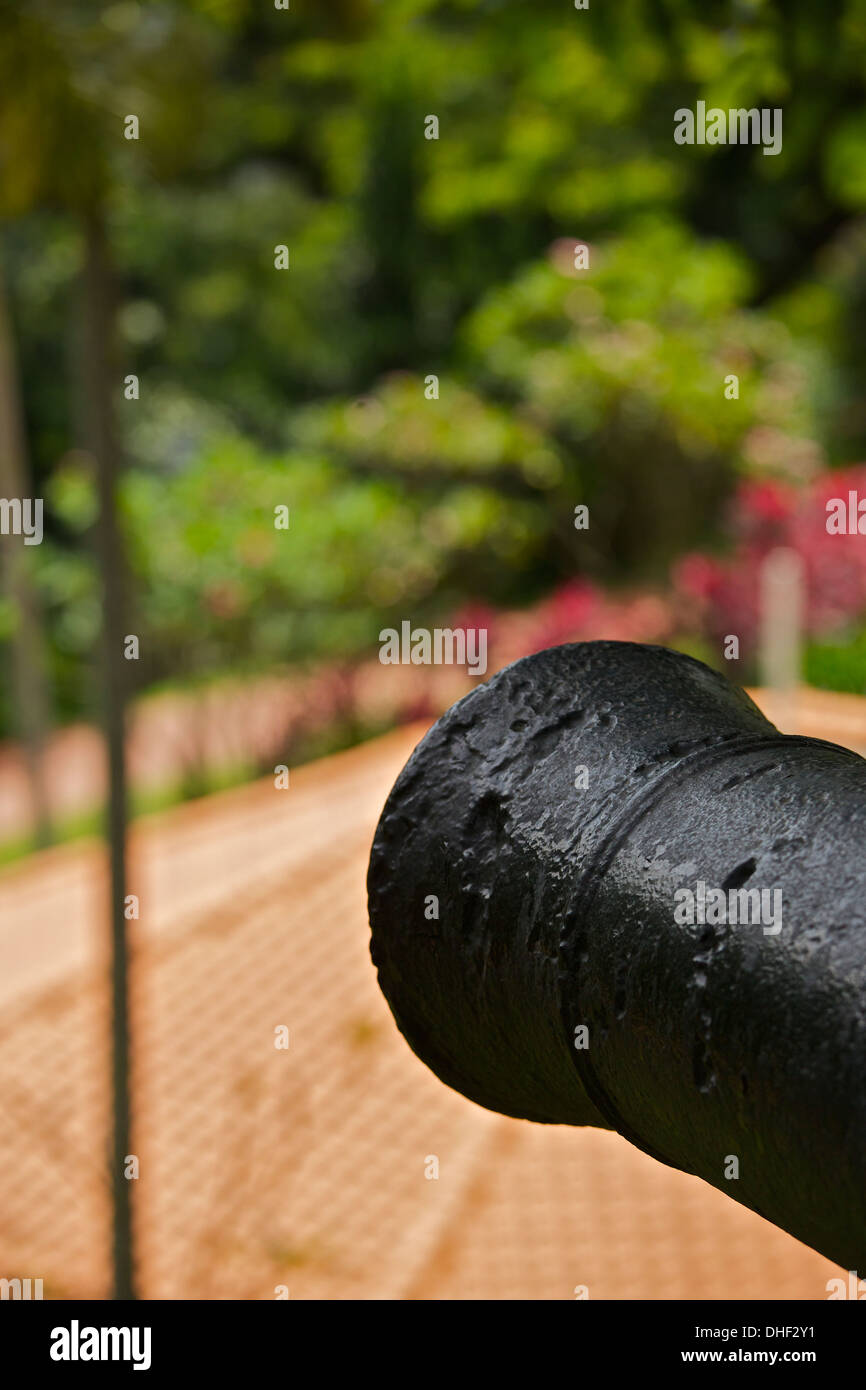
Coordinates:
716	595
712	595
708	597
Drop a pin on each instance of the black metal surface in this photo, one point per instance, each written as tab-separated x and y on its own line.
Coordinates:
706	1042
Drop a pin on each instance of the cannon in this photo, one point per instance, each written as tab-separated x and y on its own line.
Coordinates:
605	890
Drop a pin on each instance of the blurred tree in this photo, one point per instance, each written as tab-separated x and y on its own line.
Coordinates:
63	79
413	256
30	696
48	114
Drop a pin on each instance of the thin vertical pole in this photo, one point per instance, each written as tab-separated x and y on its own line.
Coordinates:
99	378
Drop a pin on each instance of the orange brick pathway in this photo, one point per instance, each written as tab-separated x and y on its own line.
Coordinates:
305	1167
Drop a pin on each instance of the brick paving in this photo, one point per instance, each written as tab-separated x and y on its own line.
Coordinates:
305	1167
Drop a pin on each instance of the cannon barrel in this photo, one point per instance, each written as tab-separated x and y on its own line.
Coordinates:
605	890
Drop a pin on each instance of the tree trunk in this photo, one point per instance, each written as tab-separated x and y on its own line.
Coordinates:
99	378
30	701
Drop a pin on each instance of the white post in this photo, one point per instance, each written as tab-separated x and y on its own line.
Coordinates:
781	622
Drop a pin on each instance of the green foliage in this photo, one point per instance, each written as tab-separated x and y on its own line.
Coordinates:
838	665
625	368
357	550
411	258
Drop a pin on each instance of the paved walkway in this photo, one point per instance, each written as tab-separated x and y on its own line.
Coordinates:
305	1167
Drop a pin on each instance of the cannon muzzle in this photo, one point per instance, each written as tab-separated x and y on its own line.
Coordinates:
605	890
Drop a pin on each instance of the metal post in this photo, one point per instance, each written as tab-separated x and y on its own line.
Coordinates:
100	381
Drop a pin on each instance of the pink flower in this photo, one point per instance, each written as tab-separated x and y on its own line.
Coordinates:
765	515
764	503
477	616
696	576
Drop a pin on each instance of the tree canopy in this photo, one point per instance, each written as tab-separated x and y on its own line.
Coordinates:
434	383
